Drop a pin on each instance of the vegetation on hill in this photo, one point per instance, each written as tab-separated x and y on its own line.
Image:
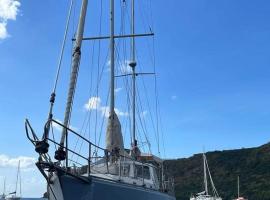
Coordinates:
252	165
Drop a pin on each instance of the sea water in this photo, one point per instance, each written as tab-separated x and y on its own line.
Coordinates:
34	199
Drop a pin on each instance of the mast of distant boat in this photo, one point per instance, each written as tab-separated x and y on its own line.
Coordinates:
238	187
4	189
18	179
205	175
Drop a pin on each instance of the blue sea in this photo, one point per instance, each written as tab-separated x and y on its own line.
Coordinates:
34	199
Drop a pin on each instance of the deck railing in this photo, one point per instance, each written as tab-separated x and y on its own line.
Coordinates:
86	161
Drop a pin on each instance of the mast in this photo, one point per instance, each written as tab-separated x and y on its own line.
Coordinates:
205	175
215	193
17	178
133	64
60	154
4	190
114	137
20	181
112	104
238	187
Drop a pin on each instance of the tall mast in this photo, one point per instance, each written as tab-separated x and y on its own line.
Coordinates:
20	178
4	190
133	64
238	187
205	175
17	179
60	154
112	60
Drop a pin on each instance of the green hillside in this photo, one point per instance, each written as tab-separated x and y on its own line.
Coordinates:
251	164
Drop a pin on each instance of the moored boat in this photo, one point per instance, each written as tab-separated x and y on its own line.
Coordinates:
113	172
238	191
205	195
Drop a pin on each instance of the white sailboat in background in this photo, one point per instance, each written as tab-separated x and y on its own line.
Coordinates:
238	191
15	195
205	195
3	195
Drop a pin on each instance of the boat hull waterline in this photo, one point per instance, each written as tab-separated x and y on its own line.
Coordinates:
66	187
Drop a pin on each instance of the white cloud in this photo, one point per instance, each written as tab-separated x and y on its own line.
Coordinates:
120	113
144	113
105	111
125	68
8	11
60	128
3	30
173	97
108	63
57	126
94	103
116	90
25	162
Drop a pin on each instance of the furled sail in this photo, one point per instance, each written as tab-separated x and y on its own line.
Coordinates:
114	138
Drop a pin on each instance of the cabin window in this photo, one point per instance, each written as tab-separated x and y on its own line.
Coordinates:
125	170
142	171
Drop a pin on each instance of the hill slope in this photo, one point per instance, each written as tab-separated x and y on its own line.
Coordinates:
252	165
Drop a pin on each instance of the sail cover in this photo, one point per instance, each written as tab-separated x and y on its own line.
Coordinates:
114	138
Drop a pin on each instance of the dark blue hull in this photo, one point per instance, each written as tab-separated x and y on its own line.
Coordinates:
103	189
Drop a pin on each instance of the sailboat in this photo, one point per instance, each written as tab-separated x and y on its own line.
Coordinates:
205	194
14	195
117	173
3	196
238	191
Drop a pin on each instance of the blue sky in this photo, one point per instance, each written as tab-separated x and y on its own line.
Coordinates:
212	62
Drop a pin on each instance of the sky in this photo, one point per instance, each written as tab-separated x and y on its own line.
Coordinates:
211	60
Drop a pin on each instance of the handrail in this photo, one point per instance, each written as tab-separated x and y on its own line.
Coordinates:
166	185
69	129
90	143
27	125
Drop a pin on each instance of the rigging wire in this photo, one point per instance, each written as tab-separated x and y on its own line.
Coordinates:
98	70
159	125
128	100
145	132
215	193
147	101
88	114
87	117
154	64
52	99
138	112
142	122
63	46
124	64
